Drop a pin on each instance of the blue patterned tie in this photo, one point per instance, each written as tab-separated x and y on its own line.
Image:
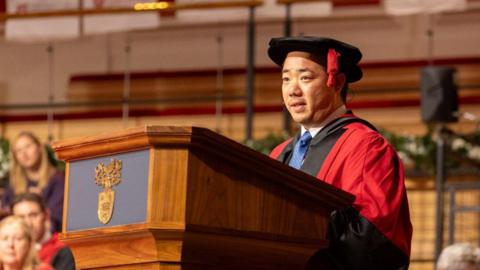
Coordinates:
299	150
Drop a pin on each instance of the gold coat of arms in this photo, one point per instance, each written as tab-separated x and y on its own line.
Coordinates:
107	177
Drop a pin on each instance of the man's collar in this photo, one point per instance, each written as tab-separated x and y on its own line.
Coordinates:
337	113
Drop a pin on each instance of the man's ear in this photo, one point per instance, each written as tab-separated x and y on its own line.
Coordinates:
340	80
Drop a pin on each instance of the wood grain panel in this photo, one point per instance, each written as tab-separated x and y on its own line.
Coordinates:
143	266
167	187
121	141
205	142
123	248
189	250
226	200
209	251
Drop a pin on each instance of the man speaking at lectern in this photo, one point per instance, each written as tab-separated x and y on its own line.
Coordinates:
344	151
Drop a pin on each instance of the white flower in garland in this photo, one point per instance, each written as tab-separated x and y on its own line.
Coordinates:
407	161
458	143
474	152
4	163
415	147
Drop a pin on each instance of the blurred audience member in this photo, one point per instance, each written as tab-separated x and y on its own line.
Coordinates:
32	171
462	256
32	210
17	247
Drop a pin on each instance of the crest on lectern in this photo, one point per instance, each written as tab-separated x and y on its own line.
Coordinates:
107	177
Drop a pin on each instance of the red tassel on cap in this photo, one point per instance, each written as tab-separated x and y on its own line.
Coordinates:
332	66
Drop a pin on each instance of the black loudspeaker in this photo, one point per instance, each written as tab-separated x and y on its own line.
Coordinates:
439	99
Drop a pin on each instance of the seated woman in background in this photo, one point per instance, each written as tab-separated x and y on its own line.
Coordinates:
31	171
17	247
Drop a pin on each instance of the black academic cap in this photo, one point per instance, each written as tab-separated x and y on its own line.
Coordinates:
348	60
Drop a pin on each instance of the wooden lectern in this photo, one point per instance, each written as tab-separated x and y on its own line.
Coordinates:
188	198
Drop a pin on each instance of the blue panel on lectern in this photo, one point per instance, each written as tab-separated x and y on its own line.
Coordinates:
130	195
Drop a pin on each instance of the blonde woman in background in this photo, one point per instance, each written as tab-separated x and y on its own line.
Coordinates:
17	247
31	171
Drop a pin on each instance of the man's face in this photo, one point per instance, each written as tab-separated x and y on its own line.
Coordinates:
31	213
305	93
